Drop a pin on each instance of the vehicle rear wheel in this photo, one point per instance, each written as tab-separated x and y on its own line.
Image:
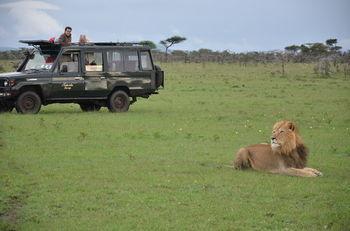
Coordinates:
119	101
28	102
89	107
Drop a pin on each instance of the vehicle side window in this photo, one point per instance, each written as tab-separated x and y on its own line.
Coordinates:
146	62
93	61
69	62
114	61
131	61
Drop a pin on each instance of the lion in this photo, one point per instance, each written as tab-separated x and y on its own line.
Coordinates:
286	154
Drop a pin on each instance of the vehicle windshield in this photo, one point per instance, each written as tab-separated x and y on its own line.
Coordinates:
40	62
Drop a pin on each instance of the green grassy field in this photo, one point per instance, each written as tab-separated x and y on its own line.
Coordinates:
161	166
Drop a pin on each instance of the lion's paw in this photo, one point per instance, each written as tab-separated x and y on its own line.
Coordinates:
314	172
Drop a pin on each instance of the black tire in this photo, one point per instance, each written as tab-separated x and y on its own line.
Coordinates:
119	101
89	107
28	102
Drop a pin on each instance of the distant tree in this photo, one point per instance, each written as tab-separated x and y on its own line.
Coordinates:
314	49
179	55
205	54
331	42
318	49
332	45
205	51
293	48
149	43
305	49
171	41
11	54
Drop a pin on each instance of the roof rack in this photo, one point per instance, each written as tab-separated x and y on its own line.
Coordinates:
117	44
48	43
39	42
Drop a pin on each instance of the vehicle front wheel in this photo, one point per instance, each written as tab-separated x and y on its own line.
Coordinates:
28	102
119	101
89	107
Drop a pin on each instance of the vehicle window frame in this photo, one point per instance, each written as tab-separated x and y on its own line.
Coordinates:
124	55
57	64
106	63
150	57
36	52
102	51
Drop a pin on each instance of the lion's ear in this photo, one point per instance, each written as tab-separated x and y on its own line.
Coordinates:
291	126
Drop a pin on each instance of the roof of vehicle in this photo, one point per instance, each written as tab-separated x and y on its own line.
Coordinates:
47	45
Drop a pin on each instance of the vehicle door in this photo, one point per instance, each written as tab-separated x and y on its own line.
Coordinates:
137	78
147	69
115	73
94	74
67	82
123	68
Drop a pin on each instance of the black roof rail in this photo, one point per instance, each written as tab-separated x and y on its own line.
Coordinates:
39	42
117	44
45	44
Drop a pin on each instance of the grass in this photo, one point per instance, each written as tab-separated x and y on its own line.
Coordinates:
162	164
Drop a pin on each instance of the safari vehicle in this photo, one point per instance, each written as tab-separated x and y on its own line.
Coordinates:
93	75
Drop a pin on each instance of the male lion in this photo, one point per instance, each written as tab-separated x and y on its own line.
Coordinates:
285	155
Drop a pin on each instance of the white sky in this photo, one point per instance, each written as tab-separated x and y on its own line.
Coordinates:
245	25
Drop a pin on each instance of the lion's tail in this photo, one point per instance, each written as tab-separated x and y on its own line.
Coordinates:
228	166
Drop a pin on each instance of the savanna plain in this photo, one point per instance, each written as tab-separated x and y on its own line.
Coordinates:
163	164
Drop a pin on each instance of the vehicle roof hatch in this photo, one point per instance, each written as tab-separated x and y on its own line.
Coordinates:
44	46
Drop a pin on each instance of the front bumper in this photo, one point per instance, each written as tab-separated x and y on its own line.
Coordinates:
6	99
5	94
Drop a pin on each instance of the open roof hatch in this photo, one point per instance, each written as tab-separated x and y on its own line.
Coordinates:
44	46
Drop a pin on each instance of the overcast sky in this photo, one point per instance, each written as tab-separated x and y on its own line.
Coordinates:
235	25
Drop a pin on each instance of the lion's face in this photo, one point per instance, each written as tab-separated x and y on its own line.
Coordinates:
284	137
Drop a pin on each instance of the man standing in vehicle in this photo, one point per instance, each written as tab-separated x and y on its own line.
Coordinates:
66	38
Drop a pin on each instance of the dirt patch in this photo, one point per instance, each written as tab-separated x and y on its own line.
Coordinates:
9	218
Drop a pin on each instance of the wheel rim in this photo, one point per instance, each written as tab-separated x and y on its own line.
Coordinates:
119	102
28	103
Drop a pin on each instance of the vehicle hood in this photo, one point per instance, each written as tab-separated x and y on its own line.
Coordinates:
11	75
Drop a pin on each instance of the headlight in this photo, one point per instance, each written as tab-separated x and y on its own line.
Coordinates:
12	82
9	82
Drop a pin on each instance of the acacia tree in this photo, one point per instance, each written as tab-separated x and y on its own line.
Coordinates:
332	45
318	49
169	42
149	43
293	48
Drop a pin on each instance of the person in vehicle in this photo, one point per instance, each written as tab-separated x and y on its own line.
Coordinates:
83	39
66	38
